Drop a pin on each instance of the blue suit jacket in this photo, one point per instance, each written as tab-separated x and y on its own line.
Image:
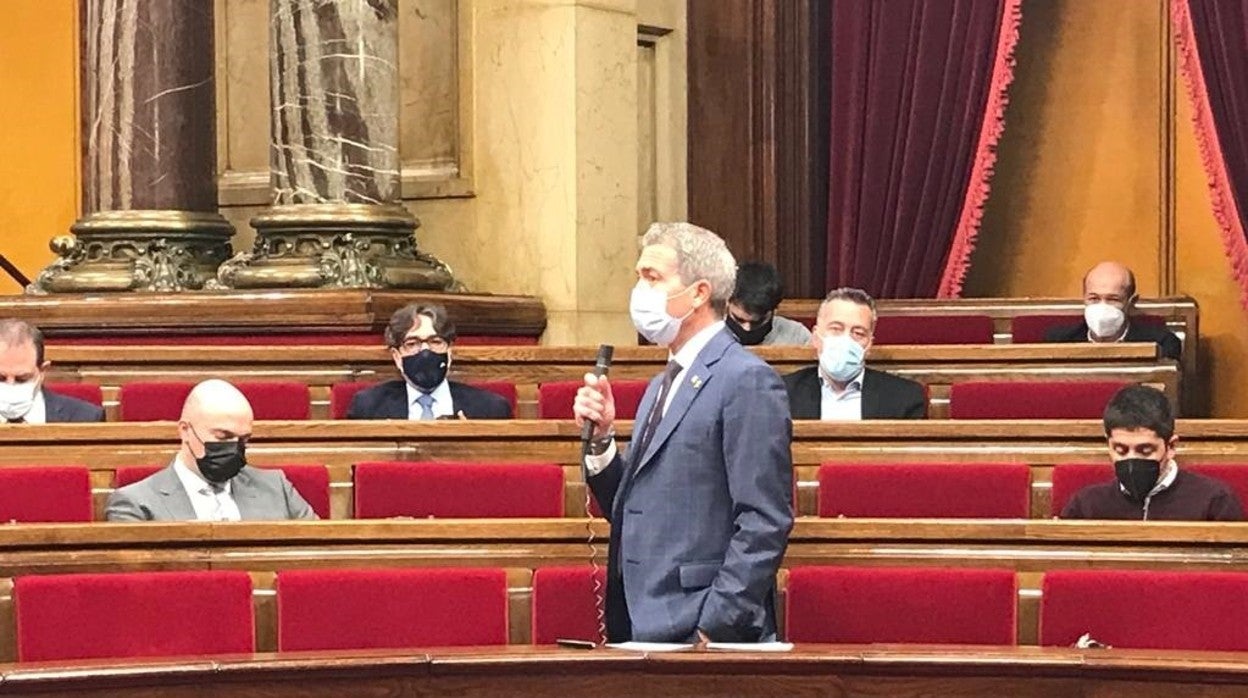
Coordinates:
700	521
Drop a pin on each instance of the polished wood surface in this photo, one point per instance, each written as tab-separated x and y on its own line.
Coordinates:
339	444
841	670
264	312
320	367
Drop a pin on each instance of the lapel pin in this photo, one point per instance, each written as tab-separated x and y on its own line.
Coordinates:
696	381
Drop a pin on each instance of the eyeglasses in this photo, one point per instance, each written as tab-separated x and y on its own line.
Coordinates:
437	344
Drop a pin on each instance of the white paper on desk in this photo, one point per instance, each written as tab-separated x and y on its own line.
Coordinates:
751	646
649	646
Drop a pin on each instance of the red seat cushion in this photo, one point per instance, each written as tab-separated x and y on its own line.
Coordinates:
398	608
45	494
156	402
341	394
859	605
310	481
1030	329
1030	399
1235	475
933	329
147	614
554	400
565	604
80	391
925	490
1185	610
458	490
1069	478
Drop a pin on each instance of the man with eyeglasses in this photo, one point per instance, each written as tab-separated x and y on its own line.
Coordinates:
420	338
209	479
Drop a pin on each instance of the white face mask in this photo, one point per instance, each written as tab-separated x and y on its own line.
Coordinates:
1104	320
16	399
648	306
841	357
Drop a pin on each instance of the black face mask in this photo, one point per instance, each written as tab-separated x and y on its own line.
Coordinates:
1138	476
755	335
222	460
426	369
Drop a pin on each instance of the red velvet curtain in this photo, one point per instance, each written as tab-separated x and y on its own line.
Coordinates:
917	100
1212	41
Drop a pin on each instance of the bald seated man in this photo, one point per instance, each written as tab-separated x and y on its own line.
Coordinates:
1109	300
209	479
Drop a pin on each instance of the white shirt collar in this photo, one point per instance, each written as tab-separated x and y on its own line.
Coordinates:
689	352
853	384
442	404
191	481
38	413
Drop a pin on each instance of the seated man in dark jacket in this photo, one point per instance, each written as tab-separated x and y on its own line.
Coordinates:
23	370
840	386
1109	298
1148	484
420	338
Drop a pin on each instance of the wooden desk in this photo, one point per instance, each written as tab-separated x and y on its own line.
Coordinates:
320	367
841	670
338	445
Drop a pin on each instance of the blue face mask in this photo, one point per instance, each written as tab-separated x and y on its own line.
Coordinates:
841	358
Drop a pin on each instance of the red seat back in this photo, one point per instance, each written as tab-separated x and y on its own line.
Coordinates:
933	329
925	490
396	608
565	603
554	400
1030	399
147	614
45	494
1235	475
458	490
1146	609
155	402
1069	478
1030	329
310	481
860	605
504	389
81	391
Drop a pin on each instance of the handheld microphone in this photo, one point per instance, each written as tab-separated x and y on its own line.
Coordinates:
601	366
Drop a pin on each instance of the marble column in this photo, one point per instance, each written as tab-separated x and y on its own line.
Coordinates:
150	220
337	220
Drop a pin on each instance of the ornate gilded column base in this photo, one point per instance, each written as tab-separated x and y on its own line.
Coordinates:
137	250
336	246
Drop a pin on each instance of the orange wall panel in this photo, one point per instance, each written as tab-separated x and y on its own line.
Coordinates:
39	173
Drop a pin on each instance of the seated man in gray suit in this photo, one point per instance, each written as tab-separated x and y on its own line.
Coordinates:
209	479
23	370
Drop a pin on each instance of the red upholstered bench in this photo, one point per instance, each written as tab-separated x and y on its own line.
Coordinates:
554	399
565	604
1030	399
391	608
45	494
925	490
861	605
1187	610
458	490
1069	478
310	481
933	329
156	402
81	391
146	614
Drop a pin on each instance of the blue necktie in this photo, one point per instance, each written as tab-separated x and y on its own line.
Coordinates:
426	406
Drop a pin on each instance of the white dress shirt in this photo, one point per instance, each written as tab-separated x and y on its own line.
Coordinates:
442	405
685	357
845	405
209	504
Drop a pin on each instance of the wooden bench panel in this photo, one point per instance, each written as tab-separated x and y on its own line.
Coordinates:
320	367
338	445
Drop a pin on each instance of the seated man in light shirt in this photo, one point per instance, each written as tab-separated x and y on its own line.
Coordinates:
840	386
209	479
23	375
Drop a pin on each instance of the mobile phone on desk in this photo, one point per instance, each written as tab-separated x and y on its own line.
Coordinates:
575	644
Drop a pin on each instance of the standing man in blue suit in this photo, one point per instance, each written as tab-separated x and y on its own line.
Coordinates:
701	504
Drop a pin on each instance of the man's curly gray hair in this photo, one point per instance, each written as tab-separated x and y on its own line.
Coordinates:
700	254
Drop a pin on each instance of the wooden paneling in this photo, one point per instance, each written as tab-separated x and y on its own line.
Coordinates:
753	138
